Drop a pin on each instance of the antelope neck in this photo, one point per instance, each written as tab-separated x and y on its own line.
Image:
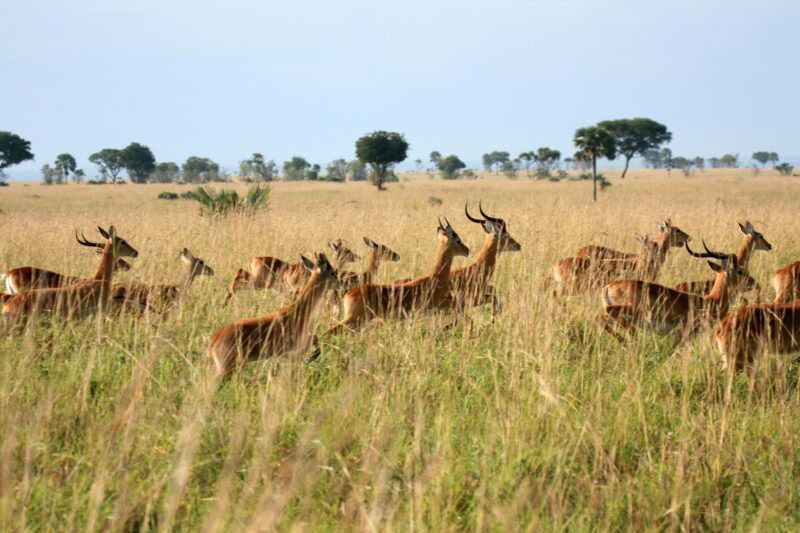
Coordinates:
308	297
745	250
488	253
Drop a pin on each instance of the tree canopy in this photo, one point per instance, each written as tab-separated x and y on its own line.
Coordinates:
450	166
139	161
295	168
593	142
381	150
64	166
633	136
110	163
13	150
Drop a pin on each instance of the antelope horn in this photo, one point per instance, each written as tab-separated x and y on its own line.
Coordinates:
84	242
449	225
487	217
470	217
441	227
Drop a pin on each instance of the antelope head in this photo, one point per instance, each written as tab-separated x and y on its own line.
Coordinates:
382	252
496	227
760	242
449	236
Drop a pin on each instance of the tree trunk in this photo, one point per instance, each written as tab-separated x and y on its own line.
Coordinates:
594	178
625	170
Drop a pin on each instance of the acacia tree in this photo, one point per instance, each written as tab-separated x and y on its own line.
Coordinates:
266	170
546	160
633	136
593	142
761	157
139	162
110	163
381	150
450	166
527	159
13	150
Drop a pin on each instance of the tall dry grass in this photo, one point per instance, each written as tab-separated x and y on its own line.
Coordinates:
538	421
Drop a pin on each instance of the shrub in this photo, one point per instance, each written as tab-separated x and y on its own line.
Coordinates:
226	202
784	168
165	195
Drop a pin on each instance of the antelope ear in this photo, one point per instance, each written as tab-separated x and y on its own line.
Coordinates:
322	259
333	246
103	232
715	267
641	240
488	227
112	232
309	264
369	243
742	228
661	227
186	254
749	227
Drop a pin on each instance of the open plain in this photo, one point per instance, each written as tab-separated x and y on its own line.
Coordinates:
538	420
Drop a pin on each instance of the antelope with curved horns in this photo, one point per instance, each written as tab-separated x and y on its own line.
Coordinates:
73	301
748	331
273	273
581	273
596	251
470	284
396	300
162	296
628	303
752	240
289	329
26	278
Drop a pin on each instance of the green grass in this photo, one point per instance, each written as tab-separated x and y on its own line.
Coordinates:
536	422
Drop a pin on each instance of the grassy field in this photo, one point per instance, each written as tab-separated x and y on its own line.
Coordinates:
536	422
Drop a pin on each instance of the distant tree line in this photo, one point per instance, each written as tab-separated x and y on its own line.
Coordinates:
377	154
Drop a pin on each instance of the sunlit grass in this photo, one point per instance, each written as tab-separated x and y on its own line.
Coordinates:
536	421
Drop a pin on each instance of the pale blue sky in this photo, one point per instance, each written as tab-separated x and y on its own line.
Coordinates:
222	79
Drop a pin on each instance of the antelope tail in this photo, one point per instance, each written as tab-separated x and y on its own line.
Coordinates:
6	280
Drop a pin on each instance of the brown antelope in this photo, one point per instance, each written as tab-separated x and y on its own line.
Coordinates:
750	330
396	300
377	253
751	241
786	283
27	277
582	273
631	302
470	284
271	272
162	296
289	329
595	251
73	301
296	275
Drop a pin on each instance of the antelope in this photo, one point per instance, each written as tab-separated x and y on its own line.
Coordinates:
431	291
287	330
145	295
73	301
581	273
595	251
629	302
271	272
748	331
28	277
470	284
377	253
786	283
296	275
751	241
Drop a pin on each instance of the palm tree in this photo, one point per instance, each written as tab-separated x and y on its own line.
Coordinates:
593	142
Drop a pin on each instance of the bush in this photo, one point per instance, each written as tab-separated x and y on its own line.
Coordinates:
784	168
228	202
167	196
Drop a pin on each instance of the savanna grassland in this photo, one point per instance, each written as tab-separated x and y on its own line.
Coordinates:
538	421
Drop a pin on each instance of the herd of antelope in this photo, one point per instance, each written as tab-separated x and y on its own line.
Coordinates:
625	283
